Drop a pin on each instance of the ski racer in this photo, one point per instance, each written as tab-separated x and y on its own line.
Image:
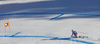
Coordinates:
75	34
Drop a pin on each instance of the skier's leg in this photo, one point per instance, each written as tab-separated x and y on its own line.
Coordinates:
79	36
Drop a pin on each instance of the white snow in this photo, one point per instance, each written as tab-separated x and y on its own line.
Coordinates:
20	1
54	28
39	29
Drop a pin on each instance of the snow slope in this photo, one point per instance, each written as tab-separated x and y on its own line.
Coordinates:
49	24
43	30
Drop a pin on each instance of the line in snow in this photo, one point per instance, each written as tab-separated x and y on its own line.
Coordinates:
57	16
16	34
73	14
52	38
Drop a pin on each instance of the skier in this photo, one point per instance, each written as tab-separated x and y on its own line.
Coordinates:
75	34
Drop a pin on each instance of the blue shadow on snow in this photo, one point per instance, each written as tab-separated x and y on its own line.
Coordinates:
51	38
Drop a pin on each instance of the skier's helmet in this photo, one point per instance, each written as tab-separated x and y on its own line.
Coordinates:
72	30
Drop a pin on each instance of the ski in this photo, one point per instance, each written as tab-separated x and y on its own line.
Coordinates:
83	37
